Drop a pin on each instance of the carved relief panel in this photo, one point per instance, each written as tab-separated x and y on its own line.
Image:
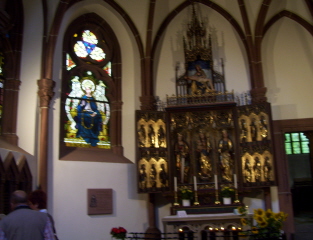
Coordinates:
153	171
257	163
202	144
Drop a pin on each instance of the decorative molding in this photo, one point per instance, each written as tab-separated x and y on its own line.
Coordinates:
45	91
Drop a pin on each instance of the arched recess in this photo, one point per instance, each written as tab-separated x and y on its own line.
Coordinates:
11	180
88	68
11	35
292	16
25	176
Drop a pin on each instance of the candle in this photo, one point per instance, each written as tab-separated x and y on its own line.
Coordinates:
195	183
235	181
215	179
175	184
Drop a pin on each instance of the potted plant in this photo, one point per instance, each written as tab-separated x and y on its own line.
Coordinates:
118	233
186	196
226	194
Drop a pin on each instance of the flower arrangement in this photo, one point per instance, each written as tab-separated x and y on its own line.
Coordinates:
118	233
264	223
227	192
186	193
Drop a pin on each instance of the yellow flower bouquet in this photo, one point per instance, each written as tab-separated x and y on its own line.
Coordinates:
264	224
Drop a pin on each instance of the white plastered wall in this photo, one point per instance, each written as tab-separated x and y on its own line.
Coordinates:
70	201
287	53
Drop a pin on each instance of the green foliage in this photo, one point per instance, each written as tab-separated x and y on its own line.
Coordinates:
227	192
186	193
268	223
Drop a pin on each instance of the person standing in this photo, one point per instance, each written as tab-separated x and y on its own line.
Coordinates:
38	201
23	223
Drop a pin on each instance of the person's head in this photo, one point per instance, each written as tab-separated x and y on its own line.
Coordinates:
37	200
18	198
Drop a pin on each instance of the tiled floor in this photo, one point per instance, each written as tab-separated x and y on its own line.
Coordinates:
304	226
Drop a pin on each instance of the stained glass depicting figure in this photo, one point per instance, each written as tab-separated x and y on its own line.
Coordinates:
88	113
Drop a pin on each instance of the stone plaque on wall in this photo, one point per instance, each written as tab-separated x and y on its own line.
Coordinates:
99	201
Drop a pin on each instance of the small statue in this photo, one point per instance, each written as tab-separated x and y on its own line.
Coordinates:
161	136
152	176
267	169
151	135
263	128
247	171
163	176
225	149
142	177
253	130
244	131
203	149
257	169
181	150
200	82
142	136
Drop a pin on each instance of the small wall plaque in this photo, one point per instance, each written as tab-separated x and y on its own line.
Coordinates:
99	201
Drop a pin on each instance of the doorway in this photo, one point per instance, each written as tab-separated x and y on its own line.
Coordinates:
301	185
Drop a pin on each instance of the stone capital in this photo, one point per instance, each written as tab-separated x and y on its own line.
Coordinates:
45	91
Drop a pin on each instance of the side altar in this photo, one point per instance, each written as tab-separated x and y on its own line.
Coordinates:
204	140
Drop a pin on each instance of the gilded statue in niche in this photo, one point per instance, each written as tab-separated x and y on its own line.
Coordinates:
200	81
243	131
142	136
142	177
257	168
247	170
151	135
225	149
203	149
163	175
267	169
253	130
263	128
153	176
181	150
161	136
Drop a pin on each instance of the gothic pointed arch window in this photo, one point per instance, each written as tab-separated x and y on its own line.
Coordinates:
91	86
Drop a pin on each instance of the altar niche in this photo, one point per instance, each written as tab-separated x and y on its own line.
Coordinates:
202	138
215	145
203	143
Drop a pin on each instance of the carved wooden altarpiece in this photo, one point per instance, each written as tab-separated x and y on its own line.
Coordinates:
204	135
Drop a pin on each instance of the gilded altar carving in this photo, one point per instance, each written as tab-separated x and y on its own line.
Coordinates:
257	168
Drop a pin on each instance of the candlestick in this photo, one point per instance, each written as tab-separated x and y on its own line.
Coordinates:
235	181
175	199
236	197
175	184
195	183
215	180
196	202
217	202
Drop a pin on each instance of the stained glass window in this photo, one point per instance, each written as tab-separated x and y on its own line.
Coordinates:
69	62
296	143
88	47
88	113
108	69
90	123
